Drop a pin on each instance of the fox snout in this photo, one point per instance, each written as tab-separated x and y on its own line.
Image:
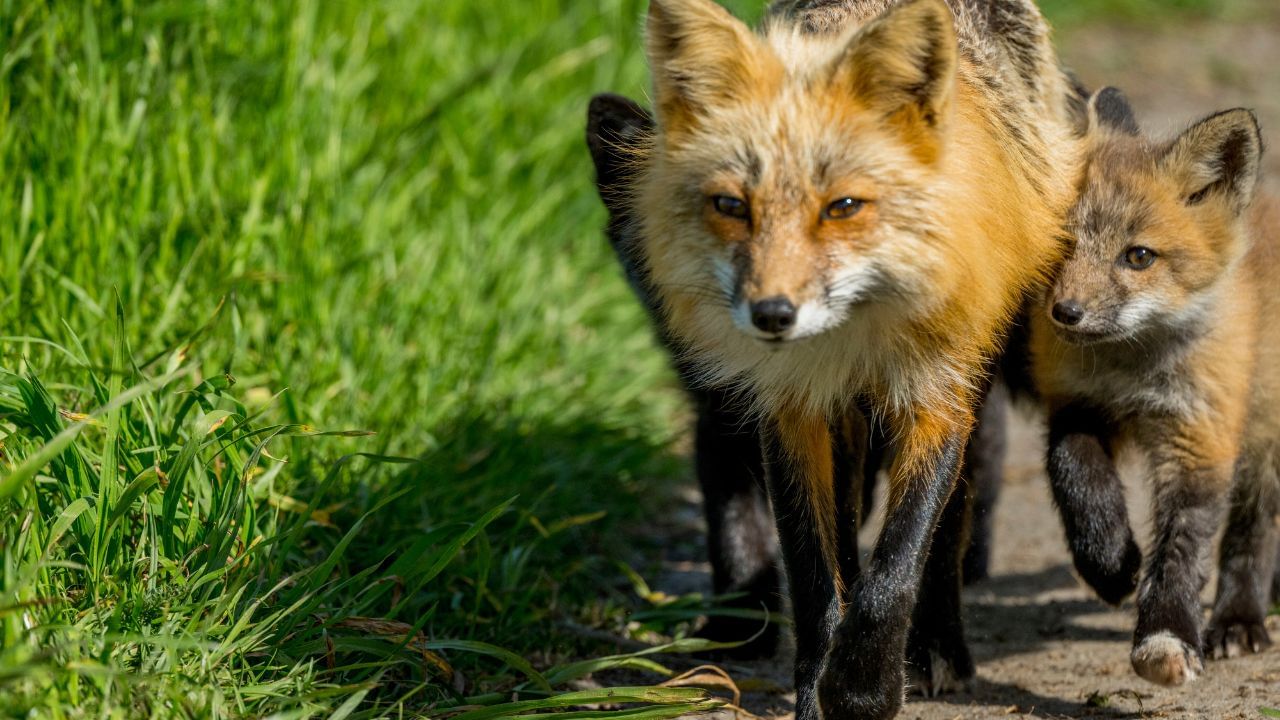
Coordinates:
777	296
1076	316
1067	312
772	318
775	315
1085	313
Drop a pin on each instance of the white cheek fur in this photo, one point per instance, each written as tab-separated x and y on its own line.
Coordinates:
1138	313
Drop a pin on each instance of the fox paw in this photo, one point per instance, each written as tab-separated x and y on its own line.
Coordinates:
939	675
858	684
1233	638
1166	660
938	663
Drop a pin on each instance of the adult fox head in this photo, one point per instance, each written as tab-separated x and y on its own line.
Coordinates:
789	172
1156	226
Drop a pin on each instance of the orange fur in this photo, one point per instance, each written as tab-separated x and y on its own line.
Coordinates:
964	167
806	440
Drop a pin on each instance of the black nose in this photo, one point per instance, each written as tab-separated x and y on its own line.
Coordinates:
1068	312
773	315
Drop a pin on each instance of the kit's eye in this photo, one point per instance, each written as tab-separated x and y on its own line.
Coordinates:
1139	258
843	208
730	206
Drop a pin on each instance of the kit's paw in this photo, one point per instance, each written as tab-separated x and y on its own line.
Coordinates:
1165	659
1228	638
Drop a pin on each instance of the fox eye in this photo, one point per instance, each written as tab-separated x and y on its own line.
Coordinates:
843	208
730	206
1139	258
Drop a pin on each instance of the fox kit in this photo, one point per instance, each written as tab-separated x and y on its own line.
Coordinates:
1152	337
845	210
727	456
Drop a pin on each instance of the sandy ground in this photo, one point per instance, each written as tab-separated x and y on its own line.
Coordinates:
1045	647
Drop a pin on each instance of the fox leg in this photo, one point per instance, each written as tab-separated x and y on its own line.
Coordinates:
878	451
854	452
1192	474
1275	580
1247	561
799	468
984	472
740	538
862	676
938	658
1090	500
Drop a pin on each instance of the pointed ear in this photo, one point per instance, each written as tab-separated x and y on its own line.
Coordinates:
1219	158
1109	110
616	129
700	55
903	63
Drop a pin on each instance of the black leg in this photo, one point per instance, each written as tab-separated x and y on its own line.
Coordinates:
792	472
1247	564
852	456
938	658
879	452
1167	641
1090	500
740	533
1275	580
984	468
862	677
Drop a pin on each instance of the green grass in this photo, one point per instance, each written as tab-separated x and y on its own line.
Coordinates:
226	227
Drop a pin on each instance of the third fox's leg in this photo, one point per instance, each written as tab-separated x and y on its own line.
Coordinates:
1247	560
1275	580
984	466
740	536
799	468
851	435
1190	482
1090	500
862	677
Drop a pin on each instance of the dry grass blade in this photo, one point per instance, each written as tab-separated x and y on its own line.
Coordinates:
404	633
711	677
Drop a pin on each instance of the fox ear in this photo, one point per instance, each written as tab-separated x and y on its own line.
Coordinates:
700	55
1110	110
1218	158
903	63
616	129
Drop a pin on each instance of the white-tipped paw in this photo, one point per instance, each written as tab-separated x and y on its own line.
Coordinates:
1164	659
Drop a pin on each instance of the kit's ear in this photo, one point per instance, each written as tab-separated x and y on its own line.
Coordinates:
1218	160
1109	111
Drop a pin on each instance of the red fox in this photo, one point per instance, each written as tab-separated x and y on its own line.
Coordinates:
852	215
730	470
1152	337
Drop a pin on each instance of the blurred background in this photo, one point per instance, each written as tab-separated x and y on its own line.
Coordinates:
320	391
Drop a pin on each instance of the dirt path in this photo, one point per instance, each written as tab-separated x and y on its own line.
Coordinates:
1045	647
